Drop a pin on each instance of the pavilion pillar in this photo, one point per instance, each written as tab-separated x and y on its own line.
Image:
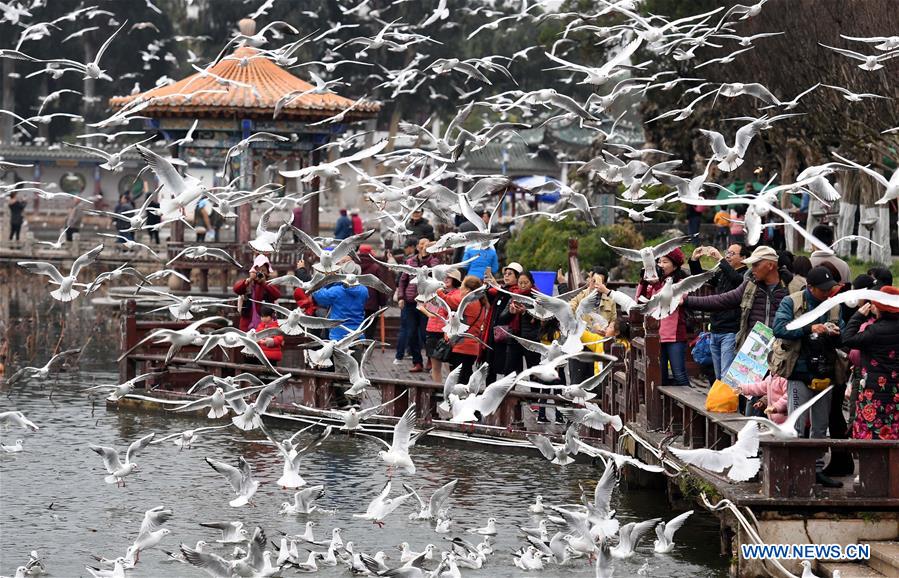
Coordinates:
245	211
310	211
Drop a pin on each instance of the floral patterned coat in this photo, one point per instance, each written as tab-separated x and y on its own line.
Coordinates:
877	401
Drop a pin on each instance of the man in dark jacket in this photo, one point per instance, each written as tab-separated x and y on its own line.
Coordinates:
756	299
413	321
344	226
814	363
724	324
420	227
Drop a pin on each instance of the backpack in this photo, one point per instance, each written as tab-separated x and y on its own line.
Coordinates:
785	352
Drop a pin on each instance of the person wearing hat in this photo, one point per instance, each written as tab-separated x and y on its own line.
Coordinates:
343	228
877	398
497	334
253	290
356	220
673	328
436	316
757	298
807	356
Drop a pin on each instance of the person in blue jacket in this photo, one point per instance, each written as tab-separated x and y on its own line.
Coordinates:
485	258
344	226
345	302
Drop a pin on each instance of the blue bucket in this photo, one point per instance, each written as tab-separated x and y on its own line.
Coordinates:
544	280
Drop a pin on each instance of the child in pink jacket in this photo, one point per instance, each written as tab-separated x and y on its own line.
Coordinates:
774	390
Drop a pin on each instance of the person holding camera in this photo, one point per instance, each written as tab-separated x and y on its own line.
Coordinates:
255	289
807	357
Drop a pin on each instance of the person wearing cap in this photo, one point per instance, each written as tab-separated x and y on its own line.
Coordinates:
672	328
497	333
807	356
255	289
376	299
412	328
724	325
757	298
436	315
421	228
824	233
343	228
877	399
346	303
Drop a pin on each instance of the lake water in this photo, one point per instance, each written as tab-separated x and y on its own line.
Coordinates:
53	497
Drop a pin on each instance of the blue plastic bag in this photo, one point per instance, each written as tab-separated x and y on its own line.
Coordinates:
702	350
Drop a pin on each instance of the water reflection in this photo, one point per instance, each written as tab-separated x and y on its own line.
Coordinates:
54	499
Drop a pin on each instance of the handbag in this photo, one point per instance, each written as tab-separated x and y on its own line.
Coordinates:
442	351
500	333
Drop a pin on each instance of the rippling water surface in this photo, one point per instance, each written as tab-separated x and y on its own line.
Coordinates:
53	497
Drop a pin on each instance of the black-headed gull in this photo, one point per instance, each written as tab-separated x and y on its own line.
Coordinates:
665	532
397	453
43	372
232	532
66	291
629	536
740	457
18	418
382	506
118	470
240	478
303	501
429	510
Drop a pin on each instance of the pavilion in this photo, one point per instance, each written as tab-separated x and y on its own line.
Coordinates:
235	98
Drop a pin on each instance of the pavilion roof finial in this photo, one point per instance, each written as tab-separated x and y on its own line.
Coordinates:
247	26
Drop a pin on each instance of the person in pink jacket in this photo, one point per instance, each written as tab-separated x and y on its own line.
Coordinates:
774	397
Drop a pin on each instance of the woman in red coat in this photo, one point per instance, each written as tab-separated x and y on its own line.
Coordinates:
271	346
466	350
256	288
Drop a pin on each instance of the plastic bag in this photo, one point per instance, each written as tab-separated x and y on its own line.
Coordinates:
721	398
702	350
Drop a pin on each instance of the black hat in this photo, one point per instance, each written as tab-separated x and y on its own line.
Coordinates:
820	278
411	242
863	281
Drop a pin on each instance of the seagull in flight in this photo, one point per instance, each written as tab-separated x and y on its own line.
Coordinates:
66	291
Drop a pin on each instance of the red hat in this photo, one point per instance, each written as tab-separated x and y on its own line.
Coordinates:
677	257
889	290
365	250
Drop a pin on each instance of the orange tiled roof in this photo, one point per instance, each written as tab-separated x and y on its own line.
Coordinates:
270	81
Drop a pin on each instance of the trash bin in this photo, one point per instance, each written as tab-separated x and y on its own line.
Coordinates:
544	281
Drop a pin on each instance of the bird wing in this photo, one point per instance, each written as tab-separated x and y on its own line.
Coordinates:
716	139
403	430
693	282
629	254
111	459
675	524
872	173
212	563
59	357
138	445
531	345
164	170
799	411
452	380
316	442
366	413
106	44
878	297
440	496
747	441
602	494
224	255
346	246
153	519
269	392
495	394
707	459
744	137
543	444
232	474
308	241
421	503
372	281
42	268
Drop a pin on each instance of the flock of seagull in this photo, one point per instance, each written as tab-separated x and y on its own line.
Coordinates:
587	530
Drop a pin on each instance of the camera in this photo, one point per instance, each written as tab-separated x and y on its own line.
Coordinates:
260	275
818	359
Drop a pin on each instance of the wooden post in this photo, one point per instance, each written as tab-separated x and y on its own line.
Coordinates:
574	267
652	358
127	369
